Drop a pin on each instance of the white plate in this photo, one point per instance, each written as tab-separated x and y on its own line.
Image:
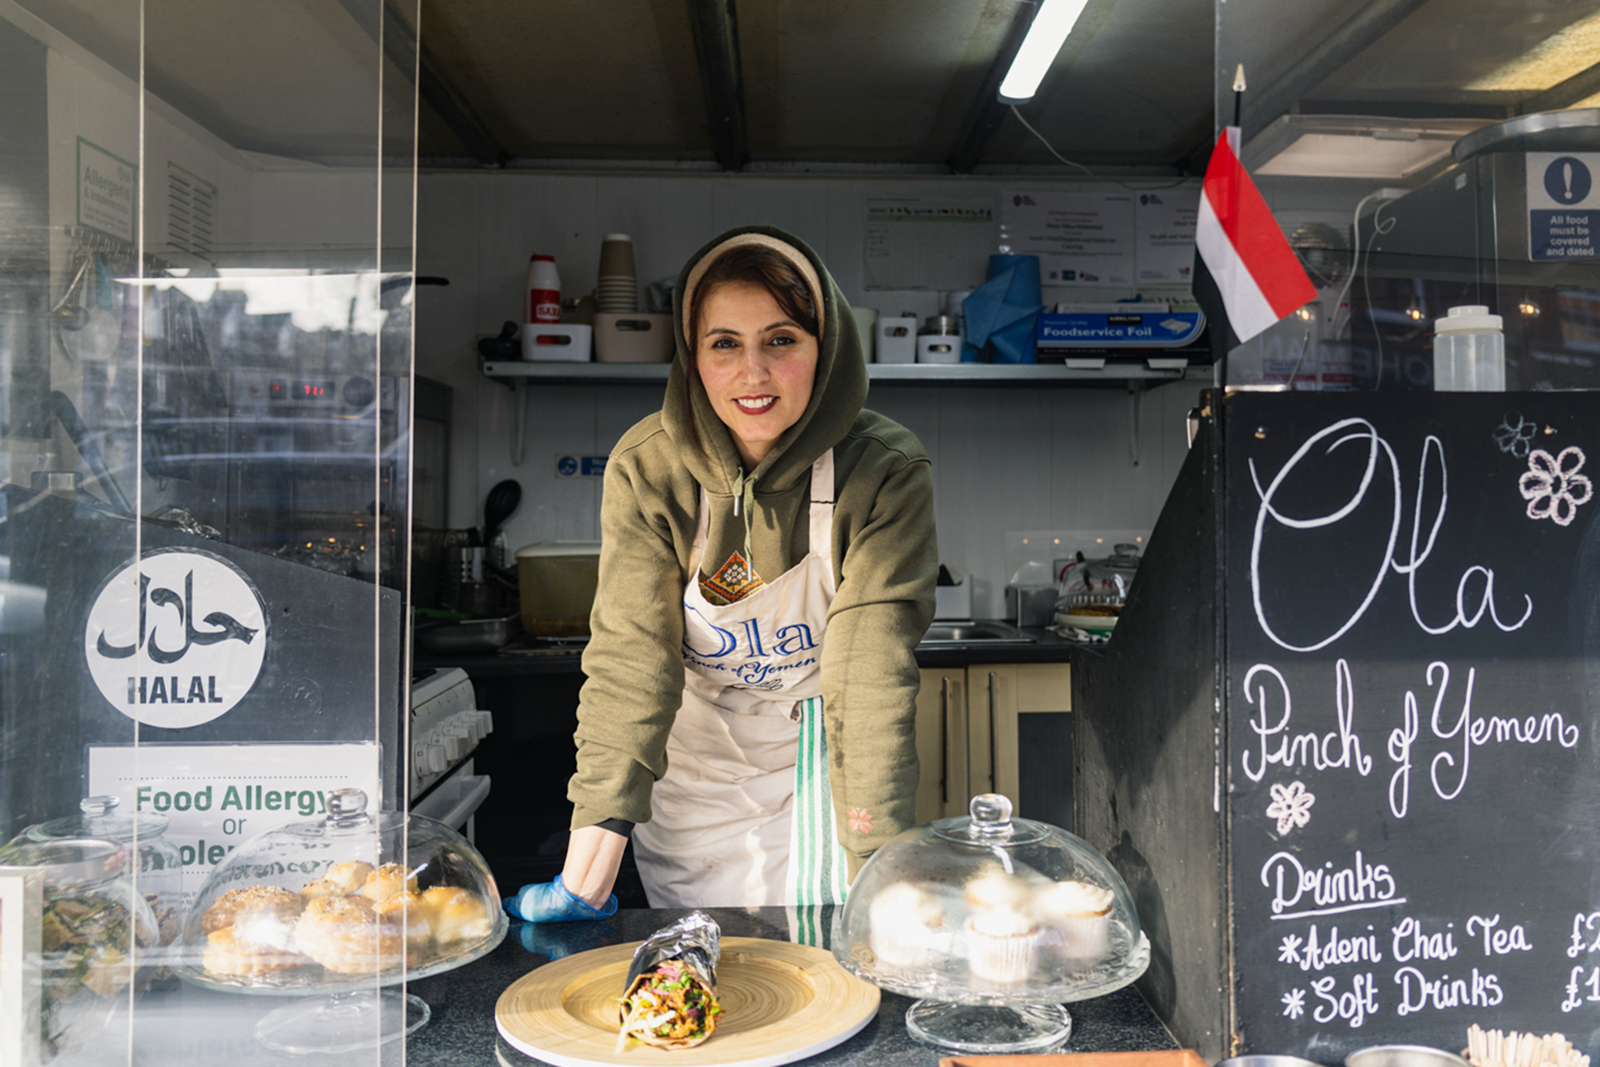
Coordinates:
1086	622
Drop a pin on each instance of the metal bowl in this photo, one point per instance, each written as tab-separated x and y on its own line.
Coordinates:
1268	1061
1403	1056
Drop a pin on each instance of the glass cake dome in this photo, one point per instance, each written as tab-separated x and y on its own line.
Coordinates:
159	877
341	905
994	922
97	941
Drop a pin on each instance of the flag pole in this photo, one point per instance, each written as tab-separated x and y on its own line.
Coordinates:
1238	93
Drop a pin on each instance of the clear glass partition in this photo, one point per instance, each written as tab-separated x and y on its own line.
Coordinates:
206	230
1424	156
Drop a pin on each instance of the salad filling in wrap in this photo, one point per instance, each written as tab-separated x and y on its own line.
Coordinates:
671	997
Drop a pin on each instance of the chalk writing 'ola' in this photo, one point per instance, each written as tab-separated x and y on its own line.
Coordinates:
1360	430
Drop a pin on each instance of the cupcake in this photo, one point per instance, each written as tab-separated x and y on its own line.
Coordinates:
1002	944
1078	916
992	887
908	926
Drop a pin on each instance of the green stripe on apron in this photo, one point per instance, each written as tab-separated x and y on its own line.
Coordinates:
816	861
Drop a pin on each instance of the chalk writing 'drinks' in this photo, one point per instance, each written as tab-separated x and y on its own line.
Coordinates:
1326	890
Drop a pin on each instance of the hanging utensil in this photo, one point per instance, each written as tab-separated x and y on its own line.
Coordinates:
498	507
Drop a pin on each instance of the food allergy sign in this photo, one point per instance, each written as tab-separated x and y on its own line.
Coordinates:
1563	205
176	639
106	187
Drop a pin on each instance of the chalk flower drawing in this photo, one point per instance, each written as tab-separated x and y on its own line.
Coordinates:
1289	949
1515	433
1294	1003
1553	487
860	820
1291	806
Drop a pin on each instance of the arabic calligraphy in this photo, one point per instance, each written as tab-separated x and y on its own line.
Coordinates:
227	627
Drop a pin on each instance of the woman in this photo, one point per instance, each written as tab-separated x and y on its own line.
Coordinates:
767	568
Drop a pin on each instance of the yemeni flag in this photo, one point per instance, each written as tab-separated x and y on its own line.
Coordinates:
1245	265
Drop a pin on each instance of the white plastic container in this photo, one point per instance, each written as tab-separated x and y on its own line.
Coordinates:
544	289
557	342
897	339
938	348
1469	351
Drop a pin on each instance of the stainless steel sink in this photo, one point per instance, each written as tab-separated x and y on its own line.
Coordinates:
983	632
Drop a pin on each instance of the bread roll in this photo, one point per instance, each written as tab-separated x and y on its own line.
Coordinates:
345	936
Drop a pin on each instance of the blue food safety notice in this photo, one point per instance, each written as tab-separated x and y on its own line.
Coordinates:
570	466
1563	205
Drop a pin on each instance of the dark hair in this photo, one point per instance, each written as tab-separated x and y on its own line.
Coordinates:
749	264
755	264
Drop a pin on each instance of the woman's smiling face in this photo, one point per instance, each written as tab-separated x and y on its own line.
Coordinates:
758	366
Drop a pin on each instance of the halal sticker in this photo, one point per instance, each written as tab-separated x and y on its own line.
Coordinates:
176	639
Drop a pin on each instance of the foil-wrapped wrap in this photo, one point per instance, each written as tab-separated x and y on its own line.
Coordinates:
669	1000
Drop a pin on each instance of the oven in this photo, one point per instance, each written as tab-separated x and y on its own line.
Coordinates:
446	727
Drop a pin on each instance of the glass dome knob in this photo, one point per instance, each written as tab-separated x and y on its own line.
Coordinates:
347	807
98	807
991	814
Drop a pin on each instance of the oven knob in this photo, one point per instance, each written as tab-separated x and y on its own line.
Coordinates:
358	392
485	723
438	759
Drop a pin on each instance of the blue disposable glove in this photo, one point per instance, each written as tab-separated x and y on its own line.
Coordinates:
552	902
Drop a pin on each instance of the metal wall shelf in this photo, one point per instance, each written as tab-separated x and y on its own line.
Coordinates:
573	373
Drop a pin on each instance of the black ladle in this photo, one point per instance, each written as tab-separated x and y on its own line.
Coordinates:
498	506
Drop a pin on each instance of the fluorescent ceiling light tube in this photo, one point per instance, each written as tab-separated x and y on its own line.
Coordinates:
1051	24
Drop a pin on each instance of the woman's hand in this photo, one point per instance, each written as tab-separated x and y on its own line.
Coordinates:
594	855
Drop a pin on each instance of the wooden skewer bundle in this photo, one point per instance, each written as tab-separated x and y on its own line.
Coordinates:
1491	1048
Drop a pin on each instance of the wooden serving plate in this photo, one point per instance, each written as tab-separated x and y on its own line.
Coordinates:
780	1003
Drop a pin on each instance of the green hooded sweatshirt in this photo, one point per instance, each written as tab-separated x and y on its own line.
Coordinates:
885	558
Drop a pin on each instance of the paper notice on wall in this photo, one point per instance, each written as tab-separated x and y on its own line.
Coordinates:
106	188
217	797
916	242
1164	223
1563	205
1080	238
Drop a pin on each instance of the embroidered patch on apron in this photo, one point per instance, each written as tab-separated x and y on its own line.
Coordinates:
736	579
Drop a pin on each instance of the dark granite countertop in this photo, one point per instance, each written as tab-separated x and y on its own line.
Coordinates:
525	655
462	1031
182	1025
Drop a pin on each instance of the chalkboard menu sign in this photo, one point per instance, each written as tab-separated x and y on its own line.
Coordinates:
1412	701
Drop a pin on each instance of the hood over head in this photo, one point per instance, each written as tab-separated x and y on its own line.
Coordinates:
836	396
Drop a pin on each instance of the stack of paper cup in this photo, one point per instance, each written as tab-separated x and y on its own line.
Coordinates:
618	291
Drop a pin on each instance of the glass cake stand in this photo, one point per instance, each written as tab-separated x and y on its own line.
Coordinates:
994	924
335	911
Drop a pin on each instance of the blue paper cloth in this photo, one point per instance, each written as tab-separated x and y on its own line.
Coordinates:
1002	313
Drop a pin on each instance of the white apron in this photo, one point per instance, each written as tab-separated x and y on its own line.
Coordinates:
743	816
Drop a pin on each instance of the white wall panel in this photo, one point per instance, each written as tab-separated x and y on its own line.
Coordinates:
801	207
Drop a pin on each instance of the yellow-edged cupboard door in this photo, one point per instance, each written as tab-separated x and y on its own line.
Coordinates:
997	695
944	785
